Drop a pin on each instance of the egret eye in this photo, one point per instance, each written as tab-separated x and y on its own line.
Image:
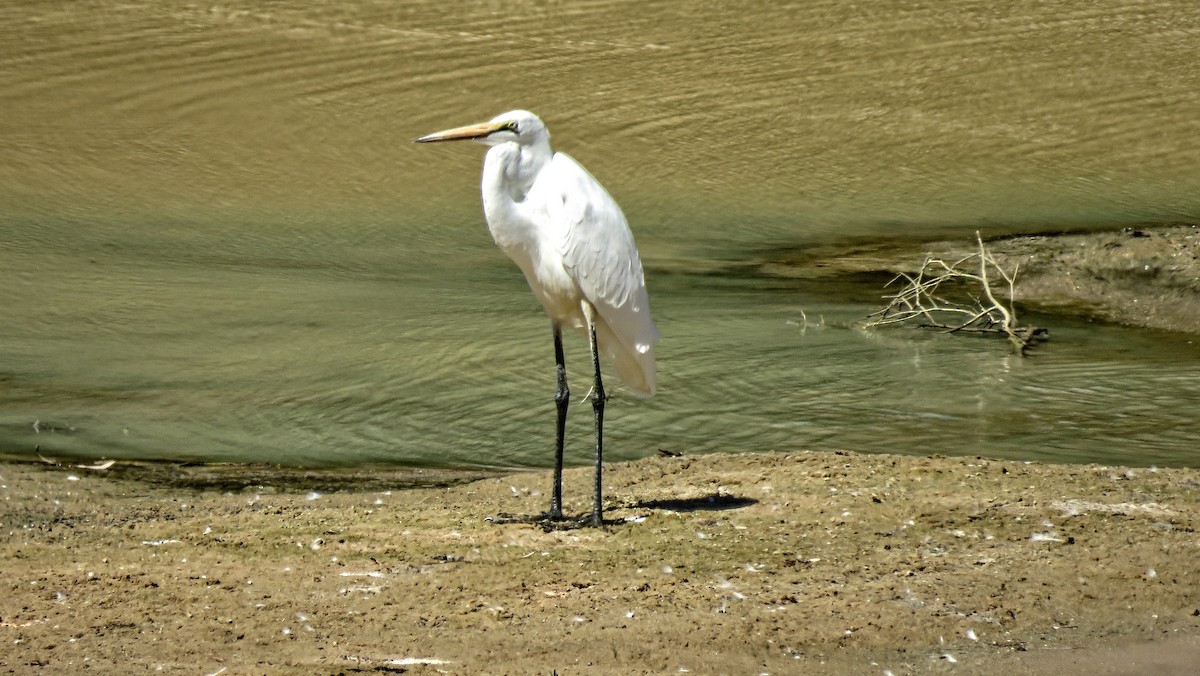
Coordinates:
512	126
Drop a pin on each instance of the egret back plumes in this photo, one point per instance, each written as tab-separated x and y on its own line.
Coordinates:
596	249
574	246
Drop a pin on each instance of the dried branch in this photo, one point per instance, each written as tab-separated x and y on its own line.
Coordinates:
929	296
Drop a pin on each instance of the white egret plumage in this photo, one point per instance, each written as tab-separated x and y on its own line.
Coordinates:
572	241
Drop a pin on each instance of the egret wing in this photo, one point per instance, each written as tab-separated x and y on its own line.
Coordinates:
599	253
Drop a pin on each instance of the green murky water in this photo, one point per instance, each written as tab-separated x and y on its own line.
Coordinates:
219	243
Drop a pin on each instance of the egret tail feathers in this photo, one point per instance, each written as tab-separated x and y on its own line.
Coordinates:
634	367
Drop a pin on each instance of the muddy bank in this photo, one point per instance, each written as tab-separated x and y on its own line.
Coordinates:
756	563
1148	276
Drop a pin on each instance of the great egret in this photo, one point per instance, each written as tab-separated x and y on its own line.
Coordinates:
571	240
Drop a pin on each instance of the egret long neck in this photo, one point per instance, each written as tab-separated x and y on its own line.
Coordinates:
509	172
515	167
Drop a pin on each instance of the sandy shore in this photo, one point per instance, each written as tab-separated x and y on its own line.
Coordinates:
741	564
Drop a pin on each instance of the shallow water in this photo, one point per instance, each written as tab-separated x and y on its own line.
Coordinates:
220	244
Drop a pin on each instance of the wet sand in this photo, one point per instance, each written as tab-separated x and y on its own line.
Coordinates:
755	563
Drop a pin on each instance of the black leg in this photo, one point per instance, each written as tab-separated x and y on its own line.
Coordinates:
598	398
562	397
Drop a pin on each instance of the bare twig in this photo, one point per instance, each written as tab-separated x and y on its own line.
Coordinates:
923	298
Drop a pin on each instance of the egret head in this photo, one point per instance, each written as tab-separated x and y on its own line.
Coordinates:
515	126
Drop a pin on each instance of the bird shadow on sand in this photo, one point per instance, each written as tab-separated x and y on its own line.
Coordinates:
717	502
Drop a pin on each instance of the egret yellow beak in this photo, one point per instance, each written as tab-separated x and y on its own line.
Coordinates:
473	131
